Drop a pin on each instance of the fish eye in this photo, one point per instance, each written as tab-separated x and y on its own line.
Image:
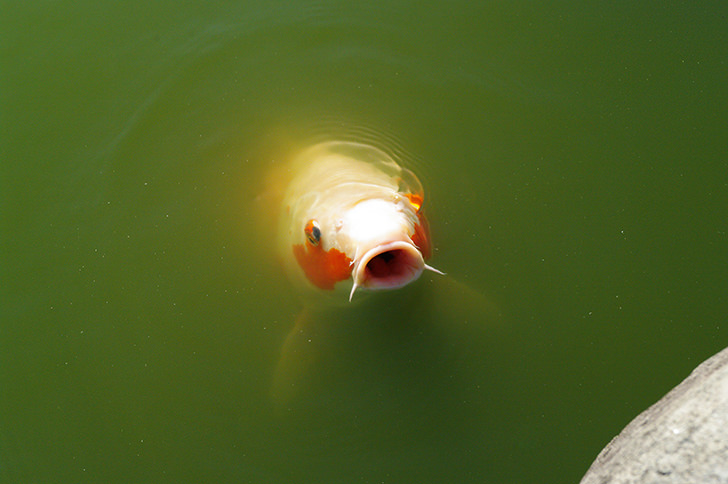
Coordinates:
313	232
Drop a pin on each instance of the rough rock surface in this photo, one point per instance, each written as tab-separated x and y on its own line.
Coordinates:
683	438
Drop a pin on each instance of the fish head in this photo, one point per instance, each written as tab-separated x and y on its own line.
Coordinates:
353	219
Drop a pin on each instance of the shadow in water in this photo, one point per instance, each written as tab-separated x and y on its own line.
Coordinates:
407	373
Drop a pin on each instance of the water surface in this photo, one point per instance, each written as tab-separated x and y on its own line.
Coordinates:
574	162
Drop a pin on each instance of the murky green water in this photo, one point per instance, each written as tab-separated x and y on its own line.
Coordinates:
575	161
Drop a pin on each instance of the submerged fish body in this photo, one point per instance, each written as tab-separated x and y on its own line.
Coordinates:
352	218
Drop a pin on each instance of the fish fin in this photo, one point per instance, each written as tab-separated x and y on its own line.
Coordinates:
299	355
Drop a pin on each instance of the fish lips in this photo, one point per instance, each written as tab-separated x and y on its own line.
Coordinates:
389	265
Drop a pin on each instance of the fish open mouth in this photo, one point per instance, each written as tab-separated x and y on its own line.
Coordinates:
388	266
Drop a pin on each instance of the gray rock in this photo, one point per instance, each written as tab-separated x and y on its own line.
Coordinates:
683	438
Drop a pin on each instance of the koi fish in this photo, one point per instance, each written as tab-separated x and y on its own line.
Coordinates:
352	219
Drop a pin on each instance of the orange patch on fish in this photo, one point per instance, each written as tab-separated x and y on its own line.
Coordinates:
416	200
323	269
421	237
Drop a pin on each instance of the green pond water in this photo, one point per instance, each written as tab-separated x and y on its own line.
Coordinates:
575	162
